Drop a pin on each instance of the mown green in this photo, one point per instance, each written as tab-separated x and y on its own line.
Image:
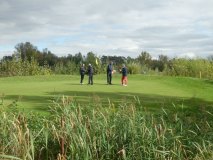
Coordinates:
36	93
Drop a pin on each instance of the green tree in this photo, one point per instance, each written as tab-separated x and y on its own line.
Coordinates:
162	62
78	58
26	51
91	58
144	59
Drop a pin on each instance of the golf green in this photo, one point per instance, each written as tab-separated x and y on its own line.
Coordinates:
37	93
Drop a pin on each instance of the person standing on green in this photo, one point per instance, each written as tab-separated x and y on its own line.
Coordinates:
124	75
90	74
109	73
82	73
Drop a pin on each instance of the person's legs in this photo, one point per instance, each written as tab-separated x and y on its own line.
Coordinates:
125	80
82	78
91	79
107	78
122	80
110	78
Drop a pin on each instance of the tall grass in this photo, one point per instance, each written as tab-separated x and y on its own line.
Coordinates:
125	131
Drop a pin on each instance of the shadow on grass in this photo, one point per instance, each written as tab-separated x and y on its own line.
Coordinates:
151	102
29	103
102	84
209	82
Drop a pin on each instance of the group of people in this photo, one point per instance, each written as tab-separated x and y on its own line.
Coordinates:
89	72
110	72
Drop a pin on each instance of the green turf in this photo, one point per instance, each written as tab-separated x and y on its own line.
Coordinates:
37	92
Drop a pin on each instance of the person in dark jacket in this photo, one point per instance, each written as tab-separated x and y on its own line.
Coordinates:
124	75
82	73
90	74
109	73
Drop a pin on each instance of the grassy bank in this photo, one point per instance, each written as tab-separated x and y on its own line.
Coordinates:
127	131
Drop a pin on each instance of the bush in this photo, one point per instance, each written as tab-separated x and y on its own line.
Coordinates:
134	68
23	68
199	68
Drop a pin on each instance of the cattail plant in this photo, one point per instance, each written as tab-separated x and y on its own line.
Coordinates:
124	131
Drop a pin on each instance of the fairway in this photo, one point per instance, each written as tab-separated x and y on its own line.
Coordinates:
37	93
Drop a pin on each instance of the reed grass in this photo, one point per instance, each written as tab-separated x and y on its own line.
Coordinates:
125	131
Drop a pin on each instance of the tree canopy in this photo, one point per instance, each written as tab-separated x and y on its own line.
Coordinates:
28	60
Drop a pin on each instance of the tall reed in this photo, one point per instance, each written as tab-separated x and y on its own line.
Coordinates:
91	131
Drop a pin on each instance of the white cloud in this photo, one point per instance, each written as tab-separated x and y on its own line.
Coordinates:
190	55
121	27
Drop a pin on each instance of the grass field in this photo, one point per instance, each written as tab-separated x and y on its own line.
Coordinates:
36	93
154	117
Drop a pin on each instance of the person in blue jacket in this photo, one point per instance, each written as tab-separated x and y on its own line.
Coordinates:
82	73
109	73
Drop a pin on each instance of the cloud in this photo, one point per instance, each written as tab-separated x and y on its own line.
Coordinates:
187	55
121	27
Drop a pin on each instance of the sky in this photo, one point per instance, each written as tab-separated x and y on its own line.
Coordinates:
176	28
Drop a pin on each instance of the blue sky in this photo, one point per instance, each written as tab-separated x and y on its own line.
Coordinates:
176	28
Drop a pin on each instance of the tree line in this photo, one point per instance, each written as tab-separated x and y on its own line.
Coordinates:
28	60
